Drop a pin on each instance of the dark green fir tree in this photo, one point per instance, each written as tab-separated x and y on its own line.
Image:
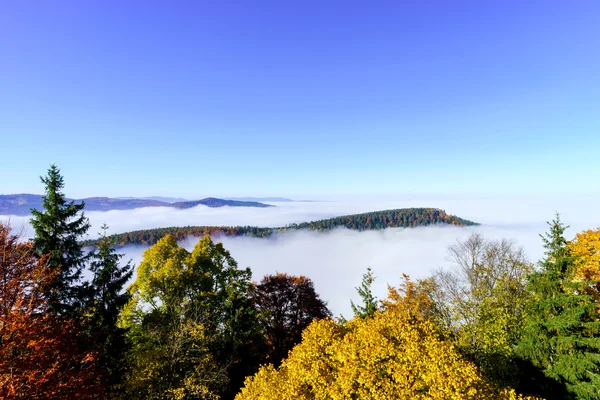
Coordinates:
107	298
562	330
59	227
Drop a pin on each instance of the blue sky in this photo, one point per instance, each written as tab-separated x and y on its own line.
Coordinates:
302	98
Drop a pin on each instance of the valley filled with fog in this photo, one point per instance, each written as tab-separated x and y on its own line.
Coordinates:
336	260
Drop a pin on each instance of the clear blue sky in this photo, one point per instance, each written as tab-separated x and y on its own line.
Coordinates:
300	98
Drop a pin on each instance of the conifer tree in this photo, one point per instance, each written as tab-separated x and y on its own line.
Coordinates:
369	302
106	300
562	331
58	230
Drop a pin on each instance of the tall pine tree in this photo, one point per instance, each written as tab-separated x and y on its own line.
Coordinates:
58	230
105	302
562	332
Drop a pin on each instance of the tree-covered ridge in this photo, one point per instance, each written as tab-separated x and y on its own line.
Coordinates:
152	236
398	218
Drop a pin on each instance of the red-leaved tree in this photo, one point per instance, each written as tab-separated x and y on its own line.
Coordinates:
287	305
40	353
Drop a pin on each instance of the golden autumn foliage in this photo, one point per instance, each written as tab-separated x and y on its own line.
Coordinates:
393	355
586	249
413	297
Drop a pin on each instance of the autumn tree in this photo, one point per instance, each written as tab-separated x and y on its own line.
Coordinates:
585	250
192	322
561	335
391	355
417	299
105	300
481	299
59	227
287	305
40	357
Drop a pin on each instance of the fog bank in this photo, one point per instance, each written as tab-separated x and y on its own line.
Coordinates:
336	260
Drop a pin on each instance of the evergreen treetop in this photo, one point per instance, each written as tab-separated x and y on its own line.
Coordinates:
369	301
59	228
562	331
106	299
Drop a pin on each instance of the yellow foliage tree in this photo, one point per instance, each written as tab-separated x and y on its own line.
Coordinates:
413	297
586	249
393	355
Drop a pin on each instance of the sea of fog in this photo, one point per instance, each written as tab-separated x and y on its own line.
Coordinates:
336	260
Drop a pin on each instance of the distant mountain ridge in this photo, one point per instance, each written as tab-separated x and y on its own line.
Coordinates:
21	204
215	202
270	199
376	220
158	198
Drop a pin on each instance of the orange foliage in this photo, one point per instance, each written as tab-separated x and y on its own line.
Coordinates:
412	297
40	356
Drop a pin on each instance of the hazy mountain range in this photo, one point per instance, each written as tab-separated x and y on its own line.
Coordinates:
256	199
157	198
269	199
21	204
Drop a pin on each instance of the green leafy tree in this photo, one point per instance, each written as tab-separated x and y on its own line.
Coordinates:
369	301
482	297
562	331
193	325
105	302
58	231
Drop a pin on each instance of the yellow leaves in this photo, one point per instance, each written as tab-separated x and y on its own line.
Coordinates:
393	355
411	297
586	249
160	269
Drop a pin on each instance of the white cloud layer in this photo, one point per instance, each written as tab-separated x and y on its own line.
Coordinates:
336	260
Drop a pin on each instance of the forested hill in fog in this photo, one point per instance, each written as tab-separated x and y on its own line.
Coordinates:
398	218
21	204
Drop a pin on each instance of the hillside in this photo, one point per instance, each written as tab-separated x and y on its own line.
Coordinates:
399	218
214	202
21	204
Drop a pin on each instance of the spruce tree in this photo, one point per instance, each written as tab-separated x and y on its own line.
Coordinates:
58	230
562	332
369	302
106	300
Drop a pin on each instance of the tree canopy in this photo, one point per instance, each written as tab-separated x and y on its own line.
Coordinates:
393	355
481	296
287	305
40	357
192	321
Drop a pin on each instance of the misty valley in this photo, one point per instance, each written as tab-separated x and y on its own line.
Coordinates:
279	200
246	311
